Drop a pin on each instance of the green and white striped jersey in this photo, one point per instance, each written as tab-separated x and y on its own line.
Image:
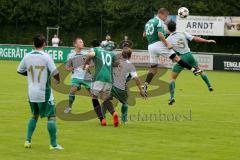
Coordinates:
77	60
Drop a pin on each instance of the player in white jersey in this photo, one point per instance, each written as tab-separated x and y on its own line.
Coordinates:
38	66
179	41
79	76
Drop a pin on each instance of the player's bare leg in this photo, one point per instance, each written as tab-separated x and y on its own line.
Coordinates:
72	93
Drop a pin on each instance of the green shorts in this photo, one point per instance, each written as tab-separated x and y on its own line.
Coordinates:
44	109
121	95
187	57
78	82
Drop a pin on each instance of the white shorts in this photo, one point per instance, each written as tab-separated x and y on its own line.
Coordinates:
156	49
101	89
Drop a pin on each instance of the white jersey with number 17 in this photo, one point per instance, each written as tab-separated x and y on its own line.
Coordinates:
39	66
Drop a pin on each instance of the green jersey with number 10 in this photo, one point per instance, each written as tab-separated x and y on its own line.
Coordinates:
152	27
103	64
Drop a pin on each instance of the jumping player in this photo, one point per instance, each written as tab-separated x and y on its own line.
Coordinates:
157	45
179	41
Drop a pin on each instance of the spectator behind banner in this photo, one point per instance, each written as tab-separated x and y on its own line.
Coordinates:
55	41
108	44
126	43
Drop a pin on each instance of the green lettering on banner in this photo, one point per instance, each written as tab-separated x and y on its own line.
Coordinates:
17	52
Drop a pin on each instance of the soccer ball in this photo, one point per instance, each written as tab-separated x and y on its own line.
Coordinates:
183	12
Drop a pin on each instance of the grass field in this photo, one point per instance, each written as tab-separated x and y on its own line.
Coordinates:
212	133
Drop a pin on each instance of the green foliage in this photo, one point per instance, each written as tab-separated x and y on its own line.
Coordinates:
20	19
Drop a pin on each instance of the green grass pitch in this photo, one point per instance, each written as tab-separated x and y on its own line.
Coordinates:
212	133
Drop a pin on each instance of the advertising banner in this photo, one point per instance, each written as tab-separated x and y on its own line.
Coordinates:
202	25
232	26
142	57
17	52
227	62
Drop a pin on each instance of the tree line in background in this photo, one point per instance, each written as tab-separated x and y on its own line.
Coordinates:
21	19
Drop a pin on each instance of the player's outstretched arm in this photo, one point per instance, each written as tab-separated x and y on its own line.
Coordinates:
202	40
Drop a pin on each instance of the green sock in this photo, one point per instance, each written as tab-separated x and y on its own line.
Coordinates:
206	80
124	111
31	127
71	99
172	89
52	129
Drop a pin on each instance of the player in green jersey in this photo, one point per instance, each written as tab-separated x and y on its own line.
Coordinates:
155	33
121	75
79	77
102	85
179	40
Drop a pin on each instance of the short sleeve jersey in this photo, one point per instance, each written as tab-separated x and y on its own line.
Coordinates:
179	41
39	67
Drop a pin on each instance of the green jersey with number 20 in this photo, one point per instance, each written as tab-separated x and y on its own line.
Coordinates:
152	27
103	64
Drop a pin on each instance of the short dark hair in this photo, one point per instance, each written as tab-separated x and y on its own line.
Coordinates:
39	40
127	52
171	26
96	43
163	11
76	38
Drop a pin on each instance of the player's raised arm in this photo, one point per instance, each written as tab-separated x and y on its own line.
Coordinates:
22	69
202	40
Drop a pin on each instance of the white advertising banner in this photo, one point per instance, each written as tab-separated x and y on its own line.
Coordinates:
142	57
201	25
205	62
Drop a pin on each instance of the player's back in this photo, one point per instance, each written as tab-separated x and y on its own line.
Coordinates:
103	64
122	73
39	66
152	27
179	41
